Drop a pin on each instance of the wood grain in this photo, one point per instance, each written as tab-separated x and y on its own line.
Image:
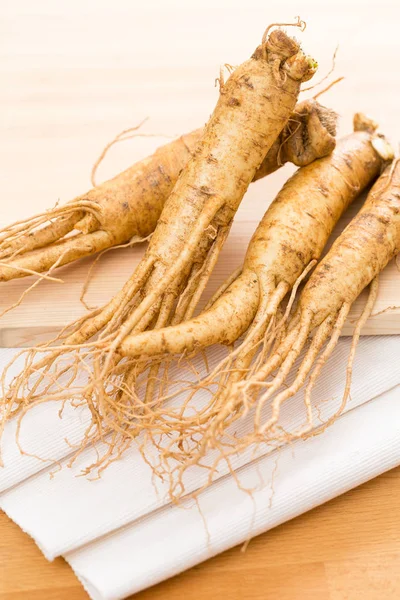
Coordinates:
347	549
51	305
64	101
74	74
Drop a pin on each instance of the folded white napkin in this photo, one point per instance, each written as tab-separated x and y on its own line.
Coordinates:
360	445
66	512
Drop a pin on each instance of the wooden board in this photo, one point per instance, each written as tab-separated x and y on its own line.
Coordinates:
75	73
67	92
347	549
51	305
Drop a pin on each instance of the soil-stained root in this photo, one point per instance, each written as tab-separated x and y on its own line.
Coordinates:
353	263
286	245
127	207
291	235
308	135
254	106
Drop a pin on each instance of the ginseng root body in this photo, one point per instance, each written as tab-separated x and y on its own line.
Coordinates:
127	208
286	245
292	234
254	106
353	263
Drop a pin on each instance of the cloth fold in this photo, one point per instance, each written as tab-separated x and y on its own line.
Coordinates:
362	444
121	534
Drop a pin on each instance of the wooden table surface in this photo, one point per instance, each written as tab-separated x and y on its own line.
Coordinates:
75	73
347	549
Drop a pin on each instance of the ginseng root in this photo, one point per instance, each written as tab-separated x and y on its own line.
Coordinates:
254	106
353	263
286	245
127	207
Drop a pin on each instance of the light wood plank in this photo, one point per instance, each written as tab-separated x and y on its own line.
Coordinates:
346	549
74	75
51	305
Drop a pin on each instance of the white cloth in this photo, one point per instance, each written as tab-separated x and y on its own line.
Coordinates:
67	515
360	445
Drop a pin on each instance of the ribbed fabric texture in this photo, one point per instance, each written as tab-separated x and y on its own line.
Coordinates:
147	539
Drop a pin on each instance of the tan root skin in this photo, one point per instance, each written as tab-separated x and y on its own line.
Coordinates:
225	160
129	205
292	233
211	187
355	260
254	106
309	134
362	251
